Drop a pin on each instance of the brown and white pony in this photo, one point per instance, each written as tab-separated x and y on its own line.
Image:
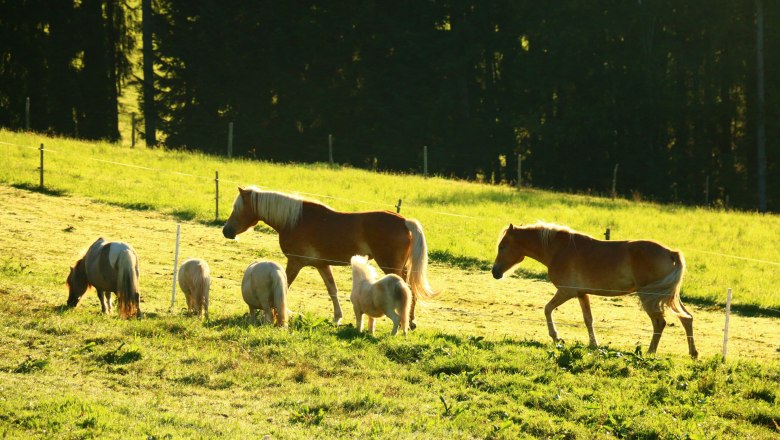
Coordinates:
388	296
109	267
264	287
579	265
195	282
312	234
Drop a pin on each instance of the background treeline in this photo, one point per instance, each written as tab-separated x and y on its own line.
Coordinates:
665	88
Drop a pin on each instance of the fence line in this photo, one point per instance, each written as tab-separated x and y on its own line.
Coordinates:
159	170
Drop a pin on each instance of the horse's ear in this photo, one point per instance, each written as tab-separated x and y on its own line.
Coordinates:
510	227
241	189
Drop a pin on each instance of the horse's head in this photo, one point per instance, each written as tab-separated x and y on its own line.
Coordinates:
77	283
509	253
242	217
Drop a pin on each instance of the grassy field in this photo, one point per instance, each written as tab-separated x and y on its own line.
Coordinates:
461	219
479	366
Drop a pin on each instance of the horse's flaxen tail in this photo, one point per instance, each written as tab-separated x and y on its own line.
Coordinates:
279	286
667	289
418	278
127	284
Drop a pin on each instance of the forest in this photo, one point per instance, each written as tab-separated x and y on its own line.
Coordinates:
683	97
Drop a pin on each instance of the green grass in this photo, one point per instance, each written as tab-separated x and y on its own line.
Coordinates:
723	249
479	366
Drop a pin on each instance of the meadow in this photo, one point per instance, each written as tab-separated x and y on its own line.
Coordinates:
479	366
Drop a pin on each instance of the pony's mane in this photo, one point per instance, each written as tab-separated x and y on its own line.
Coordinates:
360	264
277	209
548	231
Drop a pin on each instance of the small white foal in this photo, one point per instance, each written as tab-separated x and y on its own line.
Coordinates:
389	296
195	282
264	287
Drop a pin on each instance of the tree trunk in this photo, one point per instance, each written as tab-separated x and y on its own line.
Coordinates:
150	114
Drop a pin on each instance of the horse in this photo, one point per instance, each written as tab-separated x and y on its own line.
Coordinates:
312	234
109	266
390	296
579	265
264	287
195	281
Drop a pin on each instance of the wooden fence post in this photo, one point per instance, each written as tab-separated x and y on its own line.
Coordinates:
132	130
726	327
216	183
606	234
175	265
398	207
614	180
519	171
425	160
330	149
41	184
230	139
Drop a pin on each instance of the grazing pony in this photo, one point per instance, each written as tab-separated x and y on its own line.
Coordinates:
312	234
390	296
109	266
579	265
264	287
195	281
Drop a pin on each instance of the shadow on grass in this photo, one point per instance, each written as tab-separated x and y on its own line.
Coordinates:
184	214
137	206
747	310
229	321
37	189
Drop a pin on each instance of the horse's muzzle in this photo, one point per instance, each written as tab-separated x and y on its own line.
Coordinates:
228	232
497	273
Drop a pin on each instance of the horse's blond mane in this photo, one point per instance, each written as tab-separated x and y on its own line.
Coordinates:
277	209
548	231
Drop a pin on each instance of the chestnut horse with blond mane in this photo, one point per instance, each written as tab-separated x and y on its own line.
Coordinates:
312	234
579	265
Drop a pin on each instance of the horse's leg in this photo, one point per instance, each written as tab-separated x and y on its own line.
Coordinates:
293	268
371	325
252	311
108	303
390	312
333	291
102	298
358	317
658	328
559	298
688	326
588	317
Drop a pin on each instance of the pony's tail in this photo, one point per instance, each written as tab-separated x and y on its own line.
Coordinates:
202	285
418	278
279	286
667	289
405	299
206	289
127	285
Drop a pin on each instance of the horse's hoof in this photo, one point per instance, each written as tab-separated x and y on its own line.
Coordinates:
337	321
412	325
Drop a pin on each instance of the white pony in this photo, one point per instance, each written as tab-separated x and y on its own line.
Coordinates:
264	287
195	281
389	296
